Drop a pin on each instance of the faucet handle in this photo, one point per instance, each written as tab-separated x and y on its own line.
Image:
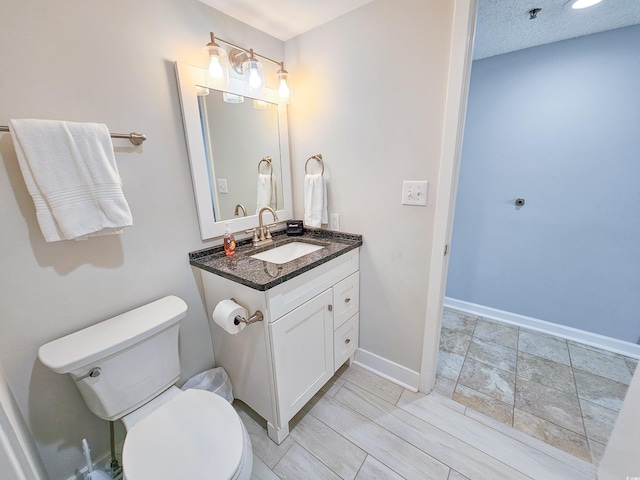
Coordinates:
266	230
255	238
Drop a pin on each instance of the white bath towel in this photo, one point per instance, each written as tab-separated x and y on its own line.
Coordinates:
265	192
71	173
315	200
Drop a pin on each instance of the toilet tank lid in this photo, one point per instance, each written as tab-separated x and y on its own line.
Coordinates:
110	336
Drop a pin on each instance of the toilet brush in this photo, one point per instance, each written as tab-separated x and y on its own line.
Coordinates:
93	474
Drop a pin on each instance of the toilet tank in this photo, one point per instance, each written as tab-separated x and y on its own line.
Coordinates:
123	362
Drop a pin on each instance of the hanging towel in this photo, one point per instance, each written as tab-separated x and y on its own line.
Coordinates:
71	173
265	192
315	200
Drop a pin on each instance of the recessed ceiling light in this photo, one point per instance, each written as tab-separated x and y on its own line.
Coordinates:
584	3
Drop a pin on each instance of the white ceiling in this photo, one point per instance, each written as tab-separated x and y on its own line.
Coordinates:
502	25
284	19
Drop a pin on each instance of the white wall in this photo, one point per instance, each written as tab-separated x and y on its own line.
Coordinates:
18	455
108	62
370	91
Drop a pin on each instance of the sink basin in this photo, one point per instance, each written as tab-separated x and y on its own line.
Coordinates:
286	252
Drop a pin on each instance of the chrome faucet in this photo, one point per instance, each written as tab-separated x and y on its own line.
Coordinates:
238	208
261	234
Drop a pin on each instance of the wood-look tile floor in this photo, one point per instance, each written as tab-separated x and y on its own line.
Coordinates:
361	426
564	393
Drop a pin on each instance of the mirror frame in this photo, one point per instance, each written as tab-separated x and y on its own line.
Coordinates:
188	78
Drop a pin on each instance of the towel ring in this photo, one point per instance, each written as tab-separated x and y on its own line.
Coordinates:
266	160
317	157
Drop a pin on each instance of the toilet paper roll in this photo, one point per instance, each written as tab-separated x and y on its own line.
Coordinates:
225	314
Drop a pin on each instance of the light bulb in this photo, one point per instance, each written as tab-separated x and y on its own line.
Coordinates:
215	69
254	77
283	89
578	4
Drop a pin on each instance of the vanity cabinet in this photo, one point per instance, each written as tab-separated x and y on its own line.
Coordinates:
310	329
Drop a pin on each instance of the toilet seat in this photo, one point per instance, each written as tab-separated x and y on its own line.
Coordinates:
197	434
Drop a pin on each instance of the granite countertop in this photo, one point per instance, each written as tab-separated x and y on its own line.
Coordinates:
262	275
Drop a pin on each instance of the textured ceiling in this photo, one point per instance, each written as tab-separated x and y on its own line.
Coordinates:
284	19
504	26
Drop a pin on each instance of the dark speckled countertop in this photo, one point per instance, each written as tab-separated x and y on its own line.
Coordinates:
263	275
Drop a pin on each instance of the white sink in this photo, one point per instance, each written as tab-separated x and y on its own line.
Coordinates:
286	252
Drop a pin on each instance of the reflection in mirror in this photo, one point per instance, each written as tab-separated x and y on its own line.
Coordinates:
242	148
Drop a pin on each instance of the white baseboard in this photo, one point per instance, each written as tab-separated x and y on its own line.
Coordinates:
581	336
392	371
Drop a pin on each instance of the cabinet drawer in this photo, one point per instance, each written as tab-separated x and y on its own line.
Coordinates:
285	297
345	341
346	299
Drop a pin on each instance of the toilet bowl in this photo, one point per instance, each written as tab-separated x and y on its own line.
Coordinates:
125	368
196	434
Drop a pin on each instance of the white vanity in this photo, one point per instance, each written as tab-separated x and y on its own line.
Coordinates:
310	328
310	303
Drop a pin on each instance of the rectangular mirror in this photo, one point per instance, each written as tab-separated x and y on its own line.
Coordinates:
238	150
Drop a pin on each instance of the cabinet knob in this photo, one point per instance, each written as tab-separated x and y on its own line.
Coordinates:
347	300
330	307
347	341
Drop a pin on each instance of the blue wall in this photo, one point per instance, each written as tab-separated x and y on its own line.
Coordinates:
558	125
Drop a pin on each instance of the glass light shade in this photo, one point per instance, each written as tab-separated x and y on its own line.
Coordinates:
578	4
202	91
217	65
231	98
260	105
253	74
284	85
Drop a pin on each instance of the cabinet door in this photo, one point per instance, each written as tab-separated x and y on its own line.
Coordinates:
302	346
346	297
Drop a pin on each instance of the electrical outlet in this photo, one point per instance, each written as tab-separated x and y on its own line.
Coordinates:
222	185
414	192
334	222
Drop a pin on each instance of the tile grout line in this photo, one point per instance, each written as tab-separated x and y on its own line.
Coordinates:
515	384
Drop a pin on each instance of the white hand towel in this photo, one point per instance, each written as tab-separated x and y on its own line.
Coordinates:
265	192
315	200
71	173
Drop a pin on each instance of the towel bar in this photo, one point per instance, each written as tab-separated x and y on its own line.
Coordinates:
134	137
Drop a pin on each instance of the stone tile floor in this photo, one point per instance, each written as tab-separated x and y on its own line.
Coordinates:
561	392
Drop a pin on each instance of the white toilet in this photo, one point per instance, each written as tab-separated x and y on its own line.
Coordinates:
125	368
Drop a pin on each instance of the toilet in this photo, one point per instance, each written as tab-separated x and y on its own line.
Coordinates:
125	368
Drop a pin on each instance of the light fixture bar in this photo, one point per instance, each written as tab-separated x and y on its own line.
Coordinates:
248	51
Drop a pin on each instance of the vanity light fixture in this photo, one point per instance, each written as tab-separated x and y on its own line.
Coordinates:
579	4
218	63
244	62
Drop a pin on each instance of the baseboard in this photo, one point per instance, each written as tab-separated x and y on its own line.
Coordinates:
392	371
581	336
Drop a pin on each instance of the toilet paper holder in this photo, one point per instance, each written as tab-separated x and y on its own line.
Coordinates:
256	317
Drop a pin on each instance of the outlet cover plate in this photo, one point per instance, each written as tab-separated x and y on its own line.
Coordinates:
334	222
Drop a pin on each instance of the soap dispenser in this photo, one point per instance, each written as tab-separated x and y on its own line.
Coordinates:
229	241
